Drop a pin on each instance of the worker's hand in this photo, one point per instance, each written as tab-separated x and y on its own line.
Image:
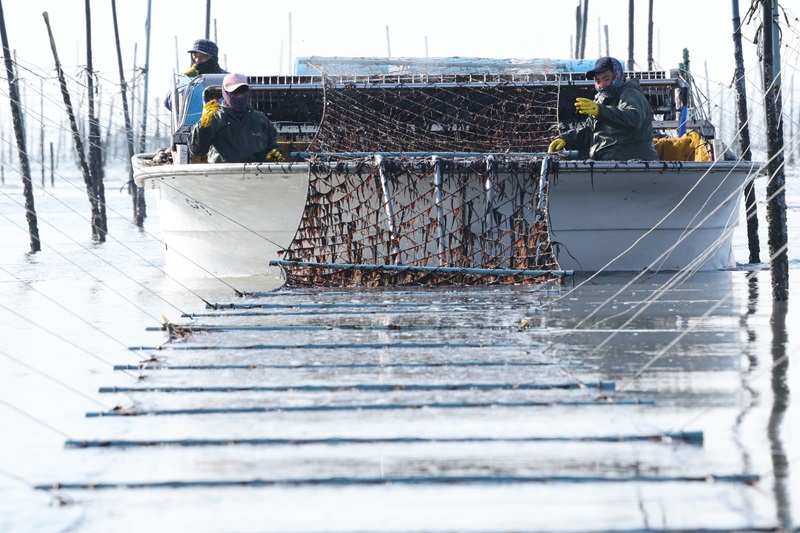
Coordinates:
557	145
192	72
274	155
584	106
208	112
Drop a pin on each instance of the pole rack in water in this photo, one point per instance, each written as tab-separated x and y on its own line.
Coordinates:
374	387
684	437
148	365
362	305
361	407
748	479
331	346
192	328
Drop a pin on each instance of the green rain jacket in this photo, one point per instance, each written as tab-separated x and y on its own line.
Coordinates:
622	130
231	138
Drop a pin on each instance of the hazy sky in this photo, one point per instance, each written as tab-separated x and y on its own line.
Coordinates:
254	36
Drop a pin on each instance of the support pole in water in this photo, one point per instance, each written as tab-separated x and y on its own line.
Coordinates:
208	17
630	35
41	128
584	24
76	136
136	194
751	213
777	237
650	36
95	152
16	114
143	138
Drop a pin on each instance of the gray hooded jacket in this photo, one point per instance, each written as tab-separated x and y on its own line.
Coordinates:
622	130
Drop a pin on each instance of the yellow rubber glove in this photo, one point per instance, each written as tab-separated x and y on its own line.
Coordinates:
208	113
584	106
274	155
557	145
192	72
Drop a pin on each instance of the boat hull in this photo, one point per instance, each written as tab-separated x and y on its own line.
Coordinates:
233	219
225	220
655	216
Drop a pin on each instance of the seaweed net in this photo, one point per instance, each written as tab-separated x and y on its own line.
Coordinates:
423	220
454	114
428	183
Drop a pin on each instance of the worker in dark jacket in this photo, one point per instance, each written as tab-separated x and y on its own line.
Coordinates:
620	122
234	132
205	60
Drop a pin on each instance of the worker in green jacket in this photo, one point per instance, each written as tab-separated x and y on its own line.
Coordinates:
619	126
234	132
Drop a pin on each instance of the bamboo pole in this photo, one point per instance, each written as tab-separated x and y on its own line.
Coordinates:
708	91
208	18
650	37
76	137
134	87
577	53
95	153
41	129
138	203
584	25
777	237
2	156
142	139
177	57
16	114
630	35
751	212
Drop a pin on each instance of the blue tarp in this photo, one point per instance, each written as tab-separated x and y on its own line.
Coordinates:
359	66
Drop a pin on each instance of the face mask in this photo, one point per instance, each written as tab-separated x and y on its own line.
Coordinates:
236	103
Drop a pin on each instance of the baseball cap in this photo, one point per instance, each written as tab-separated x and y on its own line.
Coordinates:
601	65
233	81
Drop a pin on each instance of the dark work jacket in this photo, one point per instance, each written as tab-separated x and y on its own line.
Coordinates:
622	130
232	138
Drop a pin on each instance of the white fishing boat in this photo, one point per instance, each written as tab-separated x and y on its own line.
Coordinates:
431	171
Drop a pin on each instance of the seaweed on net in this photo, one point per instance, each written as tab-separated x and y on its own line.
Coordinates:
470	215
447	222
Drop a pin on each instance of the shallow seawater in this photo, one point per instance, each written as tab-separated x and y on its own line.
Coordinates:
383	410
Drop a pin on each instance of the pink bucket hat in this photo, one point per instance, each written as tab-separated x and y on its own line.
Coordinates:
233	81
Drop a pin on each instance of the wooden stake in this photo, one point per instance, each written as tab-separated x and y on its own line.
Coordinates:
138	204
97	232
751	212
777	237
95	152
16	113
